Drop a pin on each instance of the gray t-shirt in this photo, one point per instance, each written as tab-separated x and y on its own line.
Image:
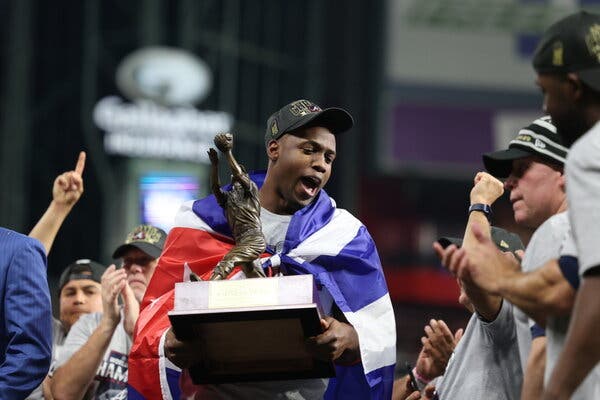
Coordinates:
556	333
58	337
582	171
110	381
274	228
543	247
485	364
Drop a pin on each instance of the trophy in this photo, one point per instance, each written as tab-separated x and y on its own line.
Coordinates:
242	208
251	329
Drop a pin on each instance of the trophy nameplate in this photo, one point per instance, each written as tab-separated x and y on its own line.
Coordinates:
261	340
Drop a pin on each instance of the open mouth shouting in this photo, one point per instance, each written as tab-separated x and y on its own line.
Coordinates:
310	185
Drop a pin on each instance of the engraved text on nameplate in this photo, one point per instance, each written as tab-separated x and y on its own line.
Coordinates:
246	293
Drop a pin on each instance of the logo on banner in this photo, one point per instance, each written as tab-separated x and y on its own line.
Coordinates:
161	121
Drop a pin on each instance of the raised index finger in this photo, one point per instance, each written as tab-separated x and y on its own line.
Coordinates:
80	163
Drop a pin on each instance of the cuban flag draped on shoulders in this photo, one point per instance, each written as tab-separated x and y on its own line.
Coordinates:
321	240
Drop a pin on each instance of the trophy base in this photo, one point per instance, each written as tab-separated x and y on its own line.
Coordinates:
262	340
253	343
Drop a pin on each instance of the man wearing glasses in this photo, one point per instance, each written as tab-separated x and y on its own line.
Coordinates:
93	361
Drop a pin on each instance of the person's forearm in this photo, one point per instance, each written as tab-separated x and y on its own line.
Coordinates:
533	376
486	304
582	346
539	293
48	225
73	378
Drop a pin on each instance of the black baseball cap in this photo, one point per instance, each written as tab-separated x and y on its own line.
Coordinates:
504	240
540	138
572	45
301	113
147	238
81	269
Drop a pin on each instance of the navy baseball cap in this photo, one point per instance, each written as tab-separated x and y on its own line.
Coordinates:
571	45
540	138
81	269
504	240
147	238
301	113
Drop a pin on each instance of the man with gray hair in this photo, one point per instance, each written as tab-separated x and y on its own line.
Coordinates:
533	168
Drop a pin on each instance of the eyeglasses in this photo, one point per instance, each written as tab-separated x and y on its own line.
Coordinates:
141	261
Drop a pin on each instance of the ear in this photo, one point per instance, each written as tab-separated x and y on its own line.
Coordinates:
575	85
273	149
562	181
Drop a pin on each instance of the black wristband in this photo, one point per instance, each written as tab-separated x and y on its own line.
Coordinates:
484	208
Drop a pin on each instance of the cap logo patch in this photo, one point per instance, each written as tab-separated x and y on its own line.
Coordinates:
524	138
504	245
144	233
274	128
557	54
540	144
592	40
303	107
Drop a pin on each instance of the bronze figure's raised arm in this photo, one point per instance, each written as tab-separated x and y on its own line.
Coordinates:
242	209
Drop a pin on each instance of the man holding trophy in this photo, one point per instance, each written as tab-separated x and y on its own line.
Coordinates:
304	233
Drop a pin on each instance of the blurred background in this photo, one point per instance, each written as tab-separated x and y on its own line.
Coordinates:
143	85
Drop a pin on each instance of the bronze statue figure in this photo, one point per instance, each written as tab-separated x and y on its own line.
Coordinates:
242	208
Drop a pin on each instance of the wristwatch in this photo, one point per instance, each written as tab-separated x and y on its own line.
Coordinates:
484	208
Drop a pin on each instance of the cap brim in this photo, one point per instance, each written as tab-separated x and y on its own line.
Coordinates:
506	240
335	119
447	241
93	271
590	77
499	163
150	249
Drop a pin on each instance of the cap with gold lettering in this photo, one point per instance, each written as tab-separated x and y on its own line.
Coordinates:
305	113
572	45
147	238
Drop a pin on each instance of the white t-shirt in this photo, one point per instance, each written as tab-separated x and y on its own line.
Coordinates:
556	334
582	171
485	363
545	245
274	227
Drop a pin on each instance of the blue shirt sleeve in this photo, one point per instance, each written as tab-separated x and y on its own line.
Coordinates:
26	311
537	331
569	266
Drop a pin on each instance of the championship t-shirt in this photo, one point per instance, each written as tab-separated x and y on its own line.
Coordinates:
110	381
